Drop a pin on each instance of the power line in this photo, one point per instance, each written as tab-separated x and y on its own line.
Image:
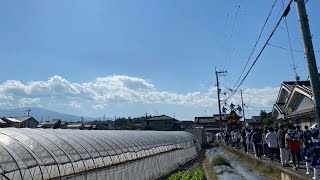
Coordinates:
291	52
228	48
255	45
285	13
285	48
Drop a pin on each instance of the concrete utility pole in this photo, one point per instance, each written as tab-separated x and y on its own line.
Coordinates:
219	73
309	52
244	117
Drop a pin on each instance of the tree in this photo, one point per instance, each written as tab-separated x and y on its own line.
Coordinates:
266	118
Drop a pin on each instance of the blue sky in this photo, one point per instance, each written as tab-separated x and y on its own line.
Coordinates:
128	58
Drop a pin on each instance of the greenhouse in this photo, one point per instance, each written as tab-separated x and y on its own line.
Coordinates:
84	154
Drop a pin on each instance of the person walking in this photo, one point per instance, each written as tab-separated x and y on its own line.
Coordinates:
264	142
248	141
294	146
257	142
251	143
237	135
284	153
272	140
307	134
243	144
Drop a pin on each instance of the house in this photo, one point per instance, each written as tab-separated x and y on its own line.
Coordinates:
295	104
21	122
63	125
87	127
255	121
103	125
211	123
54	124
4	124
79	126
186	124
99	127
161	123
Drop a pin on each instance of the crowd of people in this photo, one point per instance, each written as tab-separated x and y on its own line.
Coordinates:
285	144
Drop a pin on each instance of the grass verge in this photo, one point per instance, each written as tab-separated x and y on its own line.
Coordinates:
197	174
220	160
209	170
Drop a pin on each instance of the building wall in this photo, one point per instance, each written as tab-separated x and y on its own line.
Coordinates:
30	123
15	124
305	121
200	134
303	103
284	96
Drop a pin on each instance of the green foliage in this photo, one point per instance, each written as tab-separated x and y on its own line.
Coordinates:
266	118
129	123
220	160
197	174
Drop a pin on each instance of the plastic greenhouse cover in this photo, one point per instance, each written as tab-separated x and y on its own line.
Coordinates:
80	150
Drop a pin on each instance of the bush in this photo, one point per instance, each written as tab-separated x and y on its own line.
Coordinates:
188	175
220	160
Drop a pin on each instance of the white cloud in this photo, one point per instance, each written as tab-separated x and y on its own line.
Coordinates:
74	105
107	91
263	98
101	91
25	102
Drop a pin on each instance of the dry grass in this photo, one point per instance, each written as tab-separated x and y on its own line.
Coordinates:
209	171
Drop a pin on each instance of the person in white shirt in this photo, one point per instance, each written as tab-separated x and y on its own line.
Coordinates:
272	140
248	141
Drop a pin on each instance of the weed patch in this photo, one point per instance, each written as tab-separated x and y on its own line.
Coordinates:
197	174
220	160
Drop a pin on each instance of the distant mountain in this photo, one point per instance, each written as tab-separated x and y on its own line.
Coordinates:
41	114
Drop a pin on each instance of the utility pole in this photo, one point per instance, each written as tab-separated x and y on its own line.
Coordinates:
244	117
309	52
219	73
29	111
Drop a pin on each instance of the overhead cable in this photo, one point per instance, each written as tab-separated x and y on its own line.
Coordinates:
264	46
255	45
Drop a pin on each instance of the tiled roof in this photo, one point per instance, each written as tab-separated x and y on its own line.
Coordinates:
282	109
303	85
53	122
2	121
17	119
161	118
75	125
301	112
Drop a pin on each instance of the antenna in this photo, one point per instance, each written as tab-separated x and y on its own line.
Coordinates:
29	111
294	67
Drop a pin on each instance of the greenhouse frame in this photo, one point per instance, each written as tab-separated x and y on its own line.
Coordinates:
85	154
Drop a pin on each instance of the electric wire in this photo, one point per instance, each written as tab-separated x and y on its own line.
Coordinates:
265	45
285	48
255	45
291	52
228	48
